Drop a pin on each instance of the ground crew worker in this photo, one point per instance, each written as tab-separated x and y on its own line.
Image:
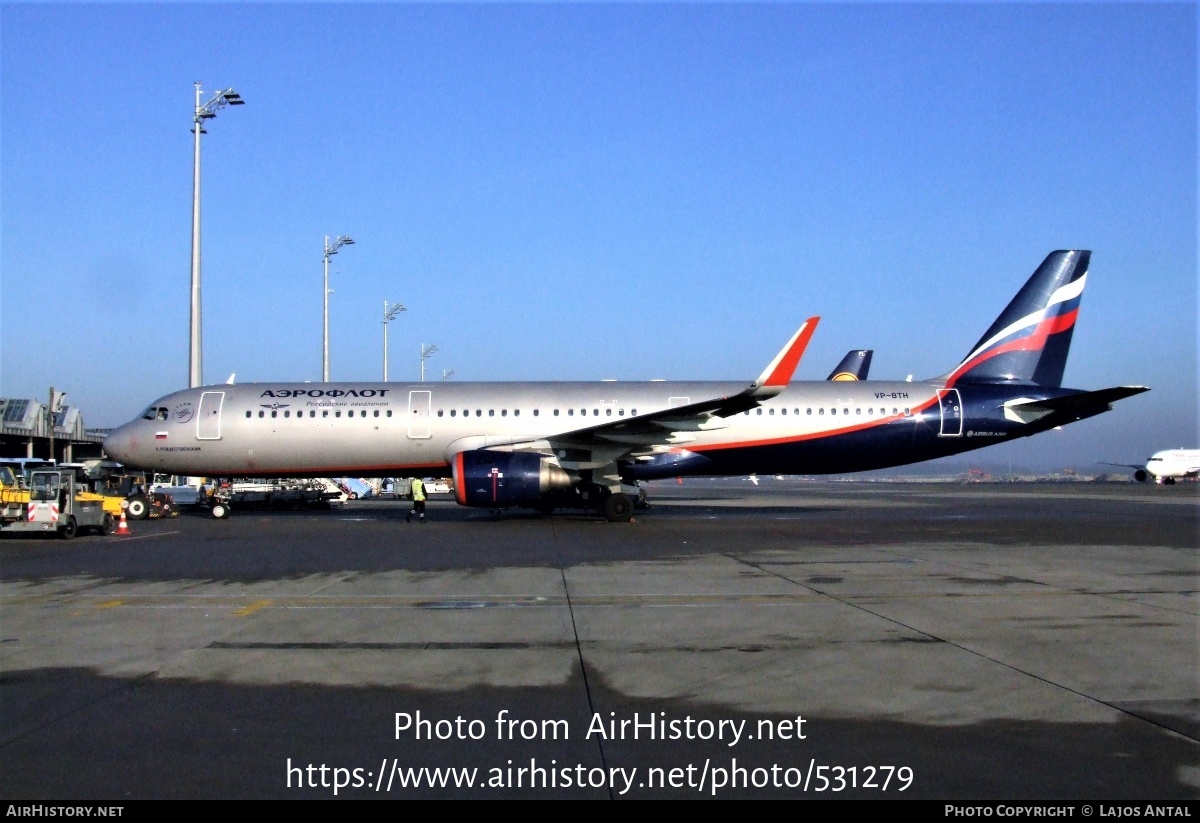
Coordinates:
418	496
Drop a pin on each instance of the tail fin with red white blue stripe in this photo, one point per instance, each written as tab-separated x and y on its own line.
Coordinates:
1030	339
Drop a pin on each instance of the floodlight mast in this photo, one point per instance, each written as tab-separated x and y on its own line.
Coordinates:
330	250
209	110
388	314
426	350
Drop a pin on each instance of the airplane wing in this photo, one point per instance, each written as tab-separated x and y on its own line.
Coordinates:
601	445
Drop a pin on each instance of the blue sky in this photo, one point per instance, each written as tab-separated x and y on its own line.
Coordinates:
597	191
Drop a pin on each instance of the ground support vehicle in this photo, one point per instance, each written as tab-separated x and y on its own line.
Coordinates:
128	492
274	494
53	504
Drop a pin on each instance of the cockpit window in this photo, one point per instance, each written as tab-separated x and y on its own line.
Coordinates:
155	413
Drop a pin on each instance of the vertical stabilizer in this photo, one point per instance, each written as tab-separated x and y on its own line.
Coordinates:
854	366
1029	341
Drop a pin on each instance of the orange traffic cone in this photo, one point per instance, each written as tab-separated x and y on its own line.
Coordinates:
123	526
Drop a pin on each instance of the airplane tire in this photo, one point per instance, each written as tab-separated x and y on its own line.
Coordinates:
641	502
617	508
1170	481
137	508
69	529
220	511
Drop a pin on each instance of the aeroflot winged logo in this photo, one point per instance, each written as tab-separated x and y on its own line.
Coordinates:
325	393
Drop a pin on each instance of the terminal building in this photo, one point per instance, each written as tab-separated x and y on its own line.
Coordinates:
25	431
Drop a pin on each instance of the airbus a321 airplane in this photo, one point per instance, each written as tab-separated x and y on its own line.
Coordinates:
559	444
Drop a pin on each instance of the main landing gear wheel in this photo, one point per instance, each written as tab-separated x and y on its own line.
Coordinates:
617	508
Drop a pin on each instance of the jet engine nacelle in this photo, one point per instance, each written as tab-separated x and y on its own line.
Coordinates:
495	479
1141	475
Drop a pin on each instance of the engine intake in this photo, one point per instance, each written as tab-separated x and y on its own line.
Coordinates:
494	479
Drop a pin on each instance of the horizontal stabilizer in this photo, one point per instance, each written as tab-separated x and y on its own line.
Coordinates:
1082	404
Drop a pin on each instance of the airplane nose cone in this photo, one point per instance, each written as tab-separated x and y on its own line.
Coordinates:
119	444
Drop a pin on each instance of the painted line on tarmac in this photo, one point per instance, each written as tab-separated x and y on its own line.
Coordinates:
125	539
246	611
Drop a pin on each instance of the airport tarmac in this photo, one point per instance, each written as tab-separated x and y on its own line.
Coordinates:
790	639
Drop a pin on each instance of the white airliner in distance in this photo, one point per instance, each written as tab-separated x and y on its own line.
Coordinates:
559	444
1166	466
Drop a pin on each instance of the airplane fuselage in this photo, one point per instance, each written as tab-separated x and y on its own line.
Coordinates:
398	429
1172	464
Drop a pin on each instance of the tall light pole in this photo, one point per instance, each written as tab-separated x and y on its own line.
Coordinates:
330	250
388	314
209	110
426	350
447	374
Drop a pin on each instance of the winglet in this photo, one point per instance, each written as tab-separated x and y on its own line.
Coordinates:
778	373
